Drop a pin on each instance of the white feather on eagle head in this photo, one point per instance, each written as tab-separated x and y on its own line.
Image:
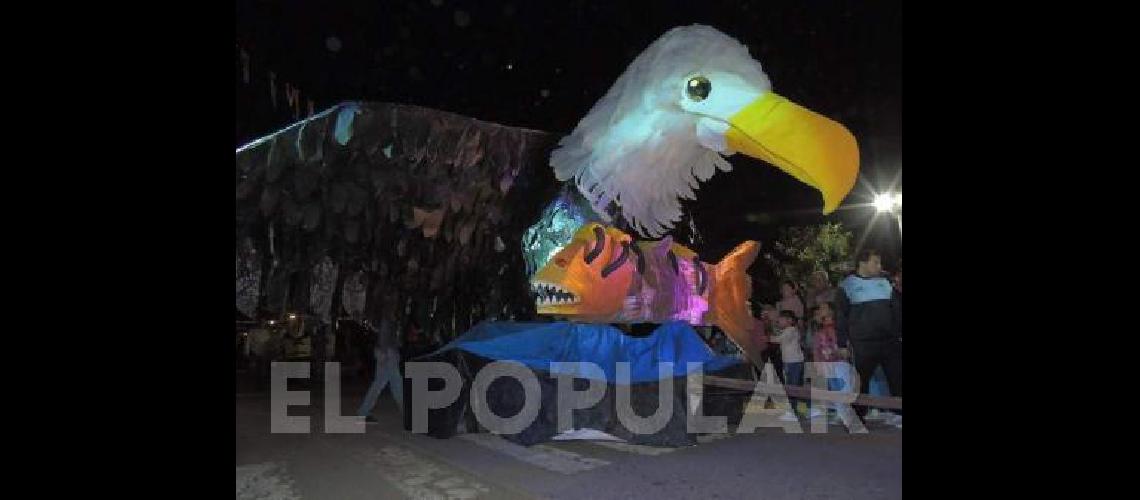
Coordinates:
637	147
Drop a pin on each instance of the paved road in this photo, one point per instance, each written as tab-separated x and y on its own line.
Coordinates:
387	462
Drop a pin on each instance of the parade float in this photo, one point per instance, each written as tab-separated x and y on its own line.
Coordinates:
516	245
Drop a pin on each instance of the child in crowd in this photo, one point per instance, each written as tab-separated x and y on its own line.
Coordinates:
825	348
788	336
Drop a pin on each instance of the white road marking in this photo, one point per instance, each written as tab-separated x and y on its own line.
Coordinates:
268	481
419	478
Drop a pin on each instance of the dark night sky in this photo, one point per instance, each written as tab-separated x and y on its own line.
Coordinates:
542	65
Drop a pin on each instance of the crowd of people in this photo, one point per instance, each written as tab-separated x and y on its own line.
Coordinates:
854	325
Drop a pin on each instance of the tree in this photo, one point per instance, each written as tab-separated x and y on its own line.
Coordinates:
799	251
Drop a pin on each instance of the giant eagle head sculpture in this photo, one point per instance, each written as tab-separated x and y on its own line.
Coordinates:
692	96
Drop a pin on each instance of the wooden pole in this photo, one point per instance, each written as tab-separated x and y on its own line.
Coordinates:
805	392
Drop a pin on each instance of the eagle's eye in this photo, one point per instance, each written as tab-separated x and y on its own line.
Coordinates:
698	88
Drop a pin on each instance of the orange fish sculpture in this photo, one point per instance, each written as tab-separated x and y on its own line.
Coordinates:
603	276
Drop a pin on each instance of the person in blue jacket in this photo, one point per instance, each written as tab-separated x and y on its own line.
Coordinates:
869	323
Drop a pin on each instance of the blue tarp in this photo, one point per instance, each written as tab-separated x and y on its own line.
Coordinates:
537	345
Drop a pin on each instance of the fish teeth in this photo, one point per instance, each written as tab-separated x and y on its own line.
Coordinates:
548	294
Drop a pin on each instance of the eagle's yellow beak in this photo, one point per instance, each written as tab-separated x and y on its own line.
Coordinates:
812	148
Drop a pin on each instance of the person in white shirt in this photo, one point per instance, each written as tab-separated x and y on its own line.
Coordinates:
788	336
790	299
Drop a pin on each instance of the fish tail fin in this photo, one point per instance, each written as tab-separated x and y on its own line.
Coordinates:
729	305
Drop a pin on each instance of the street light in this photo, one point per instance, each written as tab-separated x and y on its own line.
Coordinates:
886	202
890	203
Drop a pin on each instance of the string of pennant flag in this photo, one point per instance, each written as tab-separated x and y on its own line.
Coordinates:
291	93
